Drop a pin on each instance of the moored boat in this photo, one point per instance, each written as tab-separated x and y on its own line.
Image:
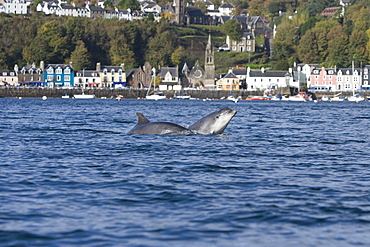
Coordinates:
156	96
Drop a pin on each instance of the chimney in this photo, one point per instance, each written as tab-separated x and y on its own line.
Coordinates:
123	66
42	65
263	70
98	67
70	64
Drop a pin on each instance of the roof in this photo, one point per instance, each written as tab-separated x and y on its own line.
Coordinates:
330	11
240	71
116	68
193	11
227	6
172	70
268	73
89	73
58	65
230	75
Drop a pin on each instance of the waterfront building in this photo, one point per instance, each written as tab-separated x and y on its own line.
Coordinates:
58	75
323	79
343	79
229	82
348	79
30	76
112	76
140	77
365	84
8	78
169	78
87	79
204	77
269	79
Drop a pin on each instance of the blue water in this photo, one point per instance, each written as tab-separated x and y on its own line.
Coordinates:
282	174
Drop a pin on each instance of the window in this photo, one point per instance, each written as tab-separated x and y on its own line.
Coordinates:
59	78
50	78
58	71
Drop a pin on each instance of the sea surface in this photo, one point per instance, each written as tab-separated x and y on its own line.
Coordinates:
282	174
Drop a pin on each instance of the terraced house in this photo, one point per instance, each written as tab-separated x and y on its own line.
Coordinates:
58	75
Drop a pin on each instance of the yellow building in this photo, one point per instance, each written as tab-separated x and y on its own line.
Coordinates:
228	82
112	76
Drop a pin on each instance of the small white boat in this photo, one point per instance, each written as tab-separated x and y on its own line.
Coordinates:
182	96
84	96
356	98
325	98
156	96
337	98
66	96
44	98
301	96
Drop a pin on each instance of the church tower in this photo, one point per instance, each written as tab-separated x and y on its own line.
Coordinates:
209	65
179	11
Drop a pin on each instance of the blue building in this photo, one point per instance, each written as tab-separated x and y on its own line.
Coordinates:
58	75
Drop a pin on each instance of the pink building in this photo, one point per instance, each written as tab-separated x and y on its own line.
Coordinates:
323	79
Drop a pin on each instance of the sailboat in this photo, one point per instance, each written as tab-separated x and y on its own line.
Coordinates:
155	95
83	95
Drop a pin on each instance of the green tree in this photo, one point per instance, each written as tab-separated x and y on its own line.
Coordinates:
80	57
232	29
160	48
178	55
338	48
308	49
357	45
120	52
202	6
285	40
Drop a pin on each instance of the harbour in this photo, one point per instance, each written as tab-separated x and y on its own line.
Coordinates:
290	173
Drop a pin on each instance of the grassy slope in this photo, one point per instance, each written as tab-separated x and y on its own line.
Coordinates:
194	39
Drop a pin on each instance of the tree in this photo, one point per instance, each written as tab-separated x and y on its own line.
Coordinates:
202	6
357	44
160	48
338	48
232	29
285	40
80	57
178	55
120	52
307	49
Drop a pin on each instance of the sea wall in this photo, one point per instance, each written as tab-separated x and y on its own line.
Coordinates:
140	93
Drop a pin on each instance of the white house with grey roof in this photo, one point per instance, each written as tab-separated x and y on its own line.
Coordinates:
226	9
170	78
272	79
18	7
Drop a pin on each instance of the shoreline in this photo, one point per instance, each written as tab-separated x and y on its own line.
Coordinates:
141	93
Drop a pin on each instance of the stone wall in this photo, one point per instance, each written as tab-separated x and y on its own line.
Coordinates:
138	93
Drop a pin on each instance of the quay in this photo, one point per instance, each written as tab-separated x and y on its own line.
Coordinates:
141	93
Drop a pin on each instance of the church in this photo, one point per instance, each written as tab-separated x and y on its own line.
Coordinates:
199	77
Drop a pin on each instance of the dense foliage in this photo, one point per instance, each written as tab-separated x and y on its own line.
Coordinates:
302	36
328	42
85	42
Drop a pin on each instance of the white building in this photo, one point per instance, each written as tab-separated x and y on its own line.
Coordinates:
18	7
261	79
8	78
91	79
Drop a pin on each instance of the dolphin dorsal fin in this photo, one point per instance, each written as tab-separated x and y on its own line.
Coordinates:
141	118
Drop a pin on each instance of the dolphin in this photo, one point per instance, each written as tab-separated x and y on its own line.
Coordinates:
144	126
214	123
